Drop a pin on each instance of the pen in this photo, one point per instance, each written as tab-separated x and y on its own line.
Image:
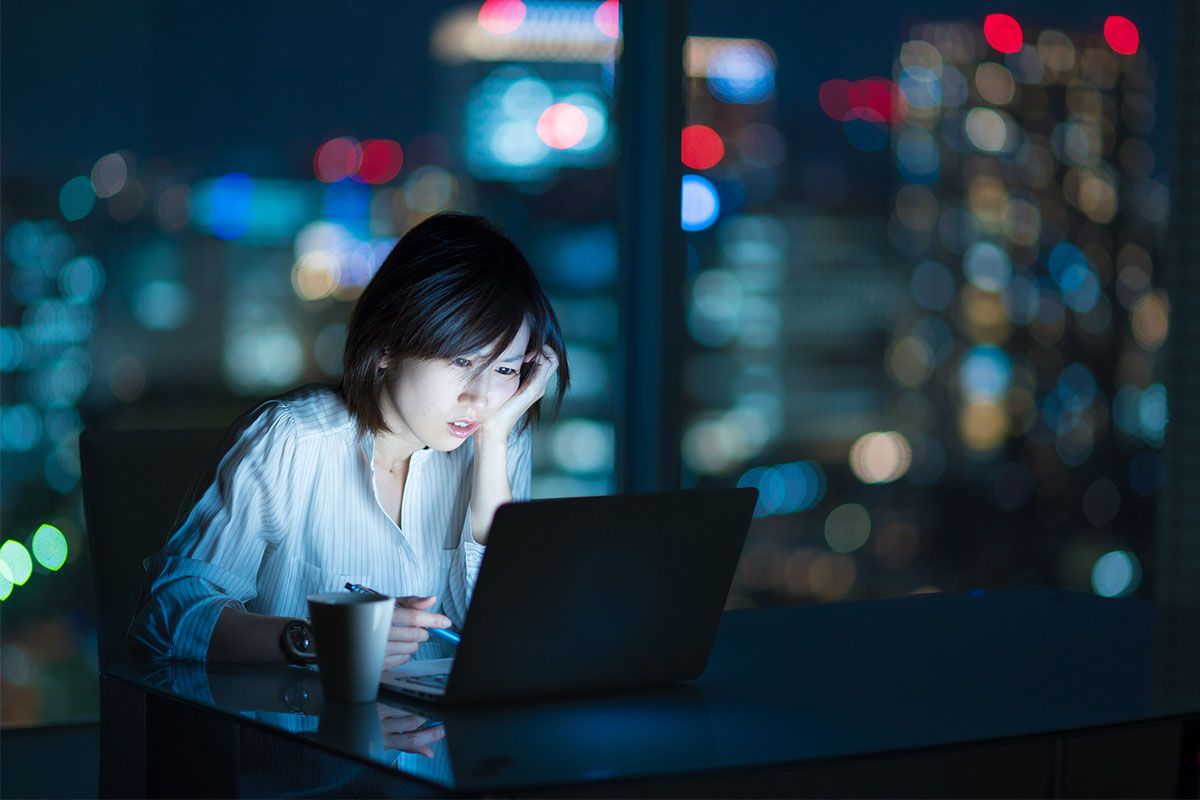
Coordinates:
441	633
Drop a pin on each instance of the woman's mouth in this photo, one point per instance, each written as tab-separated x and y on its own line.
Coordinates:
463	431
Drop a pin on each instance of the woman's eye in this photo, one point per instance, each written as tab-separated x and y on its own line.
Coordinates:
465	363
510	372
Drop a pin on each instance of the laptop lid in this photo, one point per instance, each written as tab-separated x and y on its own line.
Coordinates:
591	593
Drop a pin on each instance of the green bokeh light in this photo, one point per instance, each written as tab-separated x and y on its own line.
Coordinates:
16	558
50	547
6	584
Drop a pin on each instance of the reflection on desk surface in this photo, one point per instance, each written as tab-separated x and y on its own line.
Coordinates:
784	685
618	734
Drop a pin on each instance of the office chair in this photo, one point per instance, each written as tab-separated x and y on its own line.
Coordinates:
138	486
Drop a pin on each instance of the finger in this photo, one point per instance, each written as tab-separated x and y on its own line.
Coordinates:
395	661
400	741
404	724
407	618
396	648
415	601
407	634
428	736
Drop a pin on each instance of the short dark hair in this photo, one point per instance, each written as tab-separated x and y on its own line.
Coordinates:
453	284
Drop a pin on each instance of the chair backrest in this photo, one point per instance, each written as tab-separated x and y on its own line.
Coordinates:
137	488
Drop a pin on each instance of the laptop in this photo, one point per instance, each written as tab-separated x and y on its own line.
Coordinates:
587	594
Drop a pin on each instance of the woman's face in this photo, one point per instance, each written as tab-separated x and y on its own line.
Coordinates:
429	394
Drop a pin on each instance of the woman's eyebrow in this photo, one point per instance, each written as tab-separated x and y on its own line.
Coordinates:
502	361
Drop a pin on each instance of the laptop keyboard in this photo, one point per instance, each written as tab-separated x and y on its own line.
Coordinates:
436	681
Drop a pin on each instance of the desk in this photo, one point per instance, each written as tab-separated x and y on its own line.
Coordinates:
1043	693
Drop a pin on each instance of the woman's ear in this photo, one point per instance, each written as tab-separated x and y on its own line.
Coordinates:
383	360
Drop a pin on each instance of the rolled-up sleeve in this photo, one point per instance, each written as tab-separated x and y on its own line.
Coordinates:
464	567
212	560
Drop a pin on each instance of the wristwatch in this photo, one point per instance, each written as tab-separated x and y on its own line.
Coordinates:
296	641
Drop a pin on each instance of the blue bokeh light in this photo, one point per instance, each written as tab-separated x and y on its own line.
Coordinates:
700	205
985	372
786	488
1116	574
227	205
740	73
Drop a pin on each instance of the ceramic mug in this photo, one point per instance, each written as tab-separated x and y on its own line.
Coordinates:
350	633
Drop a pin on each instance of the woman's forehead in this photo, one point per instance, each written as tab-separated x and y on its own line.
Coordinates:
518	345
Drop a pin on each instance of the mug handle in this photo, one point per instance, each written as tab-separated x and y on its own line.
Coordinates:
298	628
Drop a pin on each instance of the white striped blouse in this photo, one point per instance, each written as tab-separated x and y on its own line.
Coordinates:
293	510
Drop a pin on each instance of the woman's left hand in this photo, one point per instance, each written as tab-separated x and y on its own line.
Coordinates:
502	421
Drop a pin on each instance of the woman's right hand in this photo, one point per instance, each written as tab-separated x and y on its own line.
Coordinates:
410	619
407	732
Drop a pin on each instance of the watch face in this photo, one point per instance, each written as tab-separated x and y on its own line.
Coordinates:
297	633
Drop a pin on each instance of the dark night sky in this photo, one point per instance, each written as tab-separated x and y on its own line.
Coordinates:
223	84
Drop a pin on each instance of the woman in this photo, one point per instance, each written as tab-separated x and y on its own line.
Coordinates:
388	479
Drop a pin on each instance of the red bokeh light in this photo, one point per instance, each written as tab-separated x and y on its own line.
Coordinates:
702	147
562	126
1122	35
834	97
1003	33
336	159
871	99
381	161
501	17
608	18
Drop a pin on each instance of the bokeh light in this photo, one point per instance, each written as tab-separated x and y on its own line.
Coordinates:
228	205
995	83
1116	574
701	205
127	377
315	275
380	162
81	279
16	559
49	547
608	18
702	147
983	425
847	528
336	159
583	446
880	457
1150	321
1121	35
162	305
501	17
741	73
109	174
1003	33
562	126
786	488
987	129
76	198
261	357
985	374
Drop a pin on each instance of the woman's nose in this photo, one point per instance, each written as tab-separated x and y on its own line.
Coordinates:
476	389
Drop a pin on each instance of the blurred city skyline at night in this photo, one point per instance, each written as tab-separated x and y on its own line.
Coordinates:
924	305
